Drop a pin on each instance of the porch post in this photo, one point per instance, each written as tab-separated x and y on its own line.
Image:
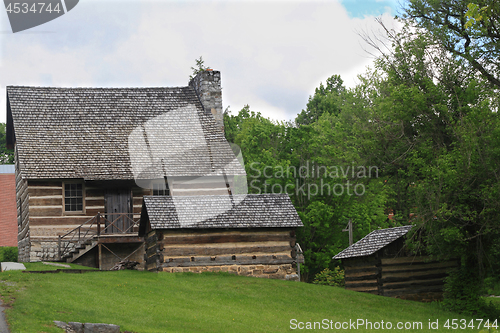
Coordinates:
98	224
100	256
59	248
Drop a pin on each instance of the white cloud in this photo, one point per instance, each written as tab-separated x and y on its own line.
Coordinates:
271	54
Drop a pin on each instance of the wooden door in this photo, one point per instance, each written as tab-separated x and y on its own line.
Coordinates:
118	202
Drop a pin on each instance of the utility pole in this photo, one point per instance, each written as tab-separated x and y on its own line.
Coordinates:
349	228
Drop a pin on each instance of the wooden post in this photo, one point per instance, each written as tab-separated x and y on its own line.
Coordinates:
299	253
350	233
98	223
59	248
349	228
100	256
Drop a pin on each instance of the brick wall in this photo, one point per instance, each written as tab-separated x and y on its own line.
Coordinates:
8	210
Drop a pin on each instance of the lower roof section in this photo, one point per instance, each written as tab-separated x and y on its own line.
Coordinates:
219	211
373	242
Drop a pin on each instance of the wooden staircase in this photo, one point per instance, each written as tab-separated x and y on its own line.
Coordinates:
97	230
80	249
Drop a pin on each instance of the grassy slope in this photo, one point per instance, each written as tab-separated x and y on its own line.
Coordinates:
148	302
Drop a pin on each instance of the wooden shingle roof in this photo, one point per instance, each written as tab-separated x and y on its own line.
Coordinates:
115	133
220	211
373	242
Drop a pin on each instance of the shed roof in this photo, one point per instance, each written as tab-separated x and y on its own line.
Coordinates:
115	133
373	242
219	211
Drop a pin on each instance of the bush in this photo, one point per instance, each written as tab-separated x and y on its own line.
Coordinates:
8	253
491	286
328	277
462	295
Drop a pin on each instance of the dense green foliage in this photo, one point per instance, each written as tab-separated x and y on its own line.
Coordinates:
6	155
148	302
425	118
328	277
461	290
326	178
8	254
466	28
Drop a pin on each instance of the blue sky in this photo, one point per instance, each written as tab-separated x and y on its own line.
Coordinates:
271	54
362	8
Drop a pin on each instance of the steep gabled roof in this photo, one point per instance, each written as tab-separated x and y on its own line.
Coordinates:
219	211
115	133
373	242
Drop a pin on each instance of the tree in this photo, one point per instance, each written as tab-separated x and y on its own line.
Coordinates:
468	30
325	99
199	67
6	155
284	158
434	130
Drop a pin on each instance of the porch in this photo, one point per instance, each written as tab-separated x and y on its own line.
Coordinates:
103	241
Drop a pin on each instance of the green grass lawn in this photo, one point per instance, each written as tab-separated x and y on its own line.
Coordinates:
40	266
149	302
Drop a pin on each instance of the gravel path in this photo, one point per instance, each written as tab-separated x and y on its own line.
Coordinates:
3	324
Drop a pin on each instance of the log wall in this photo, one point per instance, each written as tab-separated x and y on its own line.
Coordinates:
23	221
362	274
42	217
47	218
257	252
199	186
415	278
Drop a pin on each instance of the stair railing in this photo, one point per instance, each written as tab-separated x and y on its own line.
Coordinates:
78	235
92	228
124	217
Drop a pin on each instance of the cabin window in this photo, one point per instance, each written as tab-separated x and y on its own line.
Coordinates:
161	188
73	197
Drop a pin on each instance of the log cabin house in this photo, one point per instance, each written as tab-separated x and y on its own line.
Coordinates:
250	234
86	157
379	264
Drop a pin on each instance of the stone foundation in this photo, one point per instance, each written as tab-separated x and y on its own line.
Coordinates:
262	271
23	247
43	250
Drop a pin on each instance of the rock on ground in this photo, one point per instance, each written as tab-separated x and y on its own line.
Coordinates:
75	327
11	266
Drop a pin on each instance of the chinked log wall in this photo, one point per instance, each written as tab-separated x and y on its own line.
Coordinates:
195	186
257	252
23	225
47	218
415	278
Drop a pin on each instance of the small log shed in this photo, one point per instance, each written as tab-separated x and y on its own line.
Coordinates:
251	235
378	264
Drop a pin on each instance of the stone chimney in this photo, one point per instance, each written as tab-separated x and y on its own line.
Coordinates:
209	91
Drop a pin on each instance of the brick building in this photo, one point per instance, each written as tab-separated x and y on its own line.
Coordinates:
8	218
